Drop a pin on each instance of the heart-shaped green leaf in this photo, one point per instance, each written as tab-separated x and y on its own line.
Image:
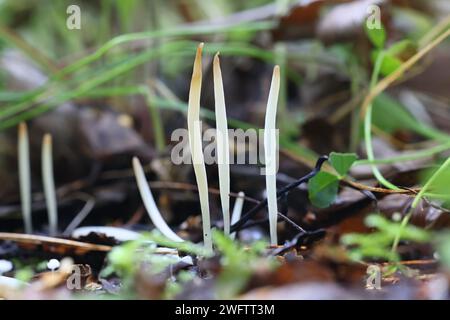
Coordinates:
322	189
342	162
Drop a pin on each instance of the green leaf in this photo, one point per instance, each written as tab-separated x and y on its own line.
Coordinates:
390	229
403	49
439	188
399	118
376	36
377	244
390	64
443	244
342	162
238	263
395	56
322	189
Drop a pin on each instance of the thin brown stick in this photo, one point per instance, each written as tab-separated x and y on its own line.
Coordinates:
40	240
191	187
360	186
389	80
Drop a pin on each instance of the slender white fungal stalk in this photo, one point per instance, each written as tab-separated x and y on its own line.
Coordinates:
237	210
223	155
24	176
270	153
150	204
49	184
195	144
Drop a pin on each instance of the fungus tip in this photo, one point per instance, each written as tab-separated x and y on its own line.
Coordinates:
198	54
276	71
47	139
22	129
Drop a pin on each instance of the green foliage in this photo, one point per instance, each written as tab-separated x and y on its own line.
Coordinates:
417	23
439	187
238	264
124	259
376	36
342	162
399	118
322	189
390	63
377	245
129	258
175	285
186	246
394	56
24	274
443	249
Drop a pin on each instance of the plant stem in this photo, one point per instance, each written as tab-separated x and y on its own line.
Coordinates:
158	129
185	31
407	157
416	201
429	182
387	81
368	127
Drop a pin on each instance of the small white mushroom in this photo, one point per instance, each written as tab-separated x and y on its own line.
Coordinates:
195	144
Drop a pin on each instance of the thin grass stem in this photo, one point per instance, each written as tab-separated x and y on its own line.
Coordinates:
223	149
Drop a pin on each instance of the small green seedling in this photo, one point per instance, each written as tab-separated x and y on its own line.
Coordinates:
377	245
